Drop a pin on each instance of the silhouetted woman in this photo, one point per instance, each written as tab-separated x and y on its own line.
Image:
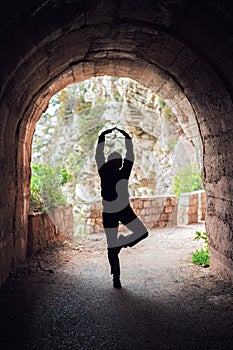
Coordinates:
114	175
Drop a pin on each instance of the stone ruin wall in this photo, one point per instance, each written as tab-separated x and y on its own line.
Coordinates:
191	207
156	212
47	228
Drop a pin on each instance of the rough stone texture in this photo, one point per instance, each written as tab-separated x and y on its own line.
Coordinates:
182	50
201	205
44	229
154	212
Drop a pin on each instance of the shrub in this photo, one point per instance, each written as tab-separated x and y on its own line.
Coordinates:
46	183
201	255
187	179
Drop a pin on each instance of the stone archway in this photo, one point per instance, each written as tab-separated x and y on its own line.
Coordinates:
99	38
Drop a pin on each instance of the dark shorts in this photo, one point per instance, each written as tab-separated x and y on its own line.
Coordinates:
125	216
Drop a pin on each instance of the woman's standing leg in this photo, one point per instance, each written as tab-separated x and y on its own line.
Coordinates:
110	223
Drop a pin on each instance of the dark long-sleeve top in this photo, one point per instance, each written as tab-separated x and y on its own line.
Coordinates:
114	182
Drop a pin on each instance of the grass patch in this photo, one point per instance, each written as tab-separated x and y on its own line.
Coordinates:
201	255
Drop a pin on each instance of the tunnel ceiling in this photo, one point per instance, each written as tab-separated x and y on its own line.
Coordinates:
54	43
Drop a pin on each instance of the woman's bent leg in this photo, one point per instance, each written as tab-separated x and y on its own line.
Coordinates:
139	232
134	224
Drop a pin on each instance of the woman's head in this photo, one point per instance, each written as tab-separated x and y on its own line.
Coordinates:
115	160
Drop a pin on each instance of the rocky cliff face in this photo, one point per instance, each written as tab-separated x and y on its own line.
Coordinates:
67	136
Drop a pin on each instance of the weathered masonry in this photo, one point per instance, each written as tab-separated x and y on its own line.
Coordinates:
45	229
156	212
181	50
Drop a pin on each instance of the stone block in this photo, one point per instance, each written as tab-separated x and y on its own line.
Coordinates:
99	221
174	201
147	211
141	204
88	221
168	209
162	224
164	217
146	219
94	214
154	210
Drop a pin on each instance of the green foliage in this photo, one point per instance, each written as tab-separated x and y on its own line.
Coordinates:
35	199
167	113
70	100
160	102
46	183
83	107
90	123
187	179
65	176
201	236
166	110
117	96
201	256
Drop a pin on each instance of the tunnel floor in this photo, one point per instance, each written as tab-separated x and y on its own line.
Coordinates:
63	298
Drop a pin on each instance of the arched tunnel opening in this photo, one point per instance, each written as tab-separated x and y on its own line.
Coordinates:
64	148
192	114
194	91
183	52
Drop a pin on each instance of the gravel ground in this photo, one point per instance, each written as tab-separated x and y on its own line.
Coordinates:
165	302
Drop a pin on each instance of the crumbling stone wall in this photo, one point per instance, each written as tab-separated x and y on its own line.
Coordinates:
191	207
154	212
157	212
47	228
